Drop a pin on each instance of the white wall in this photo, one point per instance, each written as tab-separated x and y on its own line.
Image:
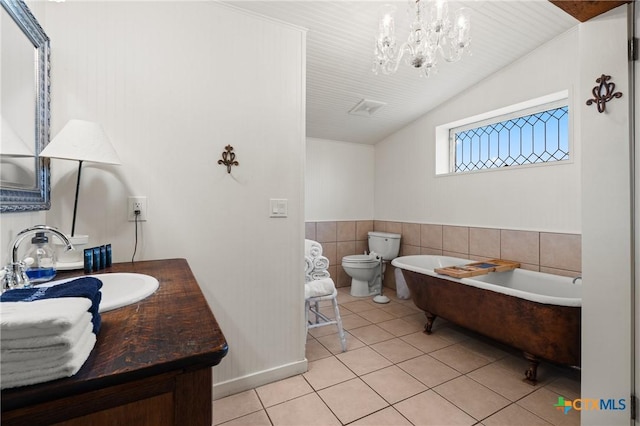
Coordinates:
11	224
606	221
543	198
636	309
173	83
589	195
339	180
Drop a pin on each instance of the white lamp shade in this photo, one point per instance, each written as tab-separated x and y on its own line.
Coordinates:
11	144
83	141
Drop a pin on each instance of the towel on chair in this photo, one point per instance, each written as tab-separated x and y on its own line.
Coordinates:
308	268
312	248
308	265
319	275
320	263
316	288
87	287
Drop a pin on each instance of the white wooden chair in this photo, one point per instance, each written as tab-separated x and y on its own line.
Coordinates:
312	305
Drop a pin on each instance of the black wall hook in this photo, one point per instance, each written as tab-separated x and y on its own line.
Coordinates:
228	158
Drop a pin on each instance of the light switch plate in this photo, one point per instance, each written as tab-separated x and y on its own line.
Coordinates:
278	207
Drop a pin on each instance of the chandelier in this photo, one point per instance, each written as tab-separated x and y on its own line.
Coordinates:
432	33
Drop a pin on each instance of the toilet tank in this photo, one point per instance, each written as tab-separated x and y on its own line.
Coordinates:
385	244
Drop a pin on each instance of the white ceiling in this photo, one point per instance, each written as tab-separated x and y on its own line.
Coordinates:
340	41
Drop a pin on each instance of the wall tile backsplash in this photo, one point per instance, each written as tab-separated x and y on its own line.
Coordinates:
522	246
549	252
455	239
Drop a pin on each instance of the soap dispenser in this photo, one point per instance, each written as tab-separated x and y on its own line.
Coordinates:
40	259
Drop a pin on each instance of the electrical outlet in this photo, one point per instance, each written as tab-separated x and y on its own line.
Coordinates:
137	203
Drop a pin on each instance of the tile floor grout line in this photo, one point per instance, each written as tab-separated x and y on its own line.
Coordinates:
489	362
329	408
470	343
465	411
395	363
389	404
525	396
504	396
432	388
377	411
527	410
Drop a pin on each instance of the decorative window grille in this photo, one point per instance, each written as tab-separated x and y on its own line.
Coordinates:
512	140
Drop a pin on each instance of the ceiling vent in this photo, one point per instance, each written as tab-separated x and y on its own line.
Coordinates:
366	108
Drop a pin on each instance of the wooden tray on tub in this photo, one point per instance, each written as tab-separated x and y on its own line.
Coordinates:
478	268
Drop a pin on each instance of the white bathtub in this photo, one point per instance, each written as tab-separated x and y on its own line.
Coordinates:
530	285
535	312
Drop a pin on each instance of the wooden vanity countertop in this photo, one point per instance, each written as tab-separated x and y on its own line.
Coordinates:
173	329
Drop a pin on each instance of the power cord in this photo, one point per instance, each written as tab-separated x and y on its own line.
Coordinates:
135	247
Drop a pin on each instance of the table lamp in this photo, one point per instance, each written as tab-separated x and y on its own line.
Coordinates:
81	141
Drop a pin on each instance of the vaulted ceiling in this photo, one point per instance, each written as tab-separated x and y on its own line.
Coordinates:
340	41
583	10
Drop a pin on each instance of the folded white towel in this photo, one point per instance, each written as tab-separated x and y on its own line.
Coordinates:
54	315
27	333
44	346
79	355
308	265
312	248
320	263
315	288
319	275
44	361
308	268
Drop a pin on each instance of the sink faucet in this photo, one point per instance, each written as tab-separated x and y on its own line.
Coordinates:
13	275
579	277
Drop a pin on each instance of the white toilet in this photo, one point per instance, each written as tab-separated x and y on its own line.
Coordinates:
366	270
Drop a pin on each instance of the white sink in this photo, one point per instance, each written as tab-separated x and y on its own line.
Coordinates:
119	288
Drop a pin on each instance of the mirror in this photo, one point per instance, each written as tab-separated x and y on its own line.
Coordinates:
24	110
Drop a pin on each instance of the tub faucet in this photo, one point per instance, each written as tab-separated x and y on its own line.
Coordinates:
13	275
579	277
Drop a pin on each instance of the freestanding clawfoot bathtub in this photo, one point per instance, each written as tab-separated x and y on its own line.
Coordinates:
535	312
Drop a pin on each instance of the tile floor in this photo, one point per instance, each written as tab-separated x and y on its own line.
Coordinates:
394	374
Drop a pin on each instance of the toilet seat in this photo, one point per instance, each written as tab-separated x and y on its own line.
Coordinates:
362	269
367	271
360	260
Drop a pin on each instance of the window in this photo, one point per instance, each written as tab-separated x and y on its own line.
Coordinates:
532	132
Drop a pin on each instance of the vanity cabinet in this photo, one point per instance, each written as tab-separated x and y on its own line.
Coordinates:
151	364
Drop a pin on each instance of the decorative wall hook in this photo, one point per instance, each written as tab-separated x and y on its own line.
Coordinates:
603	93
228	158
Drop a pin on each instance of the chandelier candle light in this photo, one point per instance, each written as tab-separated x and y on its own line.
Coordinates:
431	34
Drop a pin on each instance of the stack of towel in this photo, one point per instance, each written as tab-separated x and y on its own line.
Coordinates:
316	272
316	265
47	333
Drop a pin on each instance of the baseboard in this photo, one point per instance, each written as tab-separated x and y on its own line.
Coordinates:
240	384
